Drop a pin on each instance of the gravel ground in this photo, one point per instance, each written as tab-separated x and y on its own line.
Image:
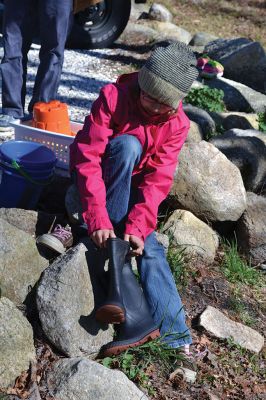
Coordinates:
84	73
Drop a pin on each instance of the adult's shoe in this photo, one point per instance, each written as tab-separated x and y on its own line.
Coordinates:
5	122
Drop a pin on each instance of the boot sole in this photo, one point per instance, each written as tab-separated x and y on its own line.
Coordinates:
111	314
115	350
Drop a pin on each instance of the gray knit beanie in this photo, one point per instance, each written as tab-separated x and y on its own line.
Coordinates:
169	73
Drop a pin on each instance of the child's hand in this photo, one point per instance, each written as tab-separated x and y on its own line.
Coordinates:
100	237
136	243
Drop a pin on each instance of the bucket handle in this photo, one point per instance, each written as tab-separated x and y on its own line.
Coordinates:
23	173
28	177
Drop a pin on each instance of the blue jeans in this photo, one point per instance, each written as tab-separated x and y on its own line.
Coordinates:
22	19
122	154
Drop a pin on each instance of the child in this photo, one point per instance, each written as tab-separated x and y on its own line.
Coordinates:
124	160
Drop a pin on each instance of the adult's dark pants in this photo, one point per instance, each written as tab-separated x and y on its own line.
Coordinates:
22	20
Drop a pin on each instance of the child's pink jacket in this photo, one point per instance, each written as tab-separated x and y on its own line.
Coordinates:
118	111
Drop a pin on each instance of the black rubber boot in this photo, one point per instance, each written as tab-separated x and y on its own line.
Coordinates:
112	311
138	327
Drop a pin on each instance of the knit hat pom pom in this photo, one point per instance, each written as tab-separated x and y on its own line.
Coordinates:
212	69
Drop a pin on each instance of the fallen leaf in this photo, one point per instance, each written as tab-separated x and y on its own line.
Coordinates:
259	388
204	341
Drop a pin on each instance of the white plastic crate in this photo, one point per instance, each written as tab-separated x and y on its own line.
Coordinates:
57	142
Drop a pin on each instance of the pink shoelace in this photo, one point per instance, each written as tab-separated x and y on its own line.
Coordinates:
62	233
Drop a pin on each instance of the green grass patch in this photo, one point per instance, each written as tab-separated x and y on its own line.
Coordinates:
236	304
262	121
239	359
4	396
236	269
177	260
128	364
136	361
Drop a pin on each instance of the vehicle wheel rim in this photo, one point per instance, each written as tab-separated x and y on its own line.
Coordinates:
93	17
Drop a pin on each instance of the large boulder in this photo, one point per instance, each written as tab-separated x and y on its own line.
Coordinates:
238	120
138	10
140	34
66	297
235	53
32	222
169	31
197	239
195	133
251	229
240	58
20	263
83	379
202	118
201	39
17	347
249	133
163	240
158	12
208	184
26	220
248	154
255	76
238	97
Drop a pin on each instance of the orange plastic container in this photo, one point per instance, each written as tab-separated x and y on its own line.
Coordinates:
52	116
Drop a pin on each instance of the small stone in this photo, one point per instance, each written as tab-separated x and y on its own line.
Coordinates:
213	396
223	327
159	12
185	374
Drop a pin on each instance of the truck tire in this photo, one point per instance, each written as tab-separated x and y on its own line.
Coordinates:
100	25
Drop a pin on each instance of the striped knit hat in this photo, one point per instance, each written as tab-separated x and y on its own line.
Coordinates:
169	73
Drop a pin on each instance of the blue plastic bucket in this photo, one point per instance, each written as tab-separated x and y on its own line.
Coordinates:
25	169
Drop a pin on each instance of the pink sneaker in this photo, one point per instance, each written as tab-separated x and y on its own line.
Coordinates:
59	240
